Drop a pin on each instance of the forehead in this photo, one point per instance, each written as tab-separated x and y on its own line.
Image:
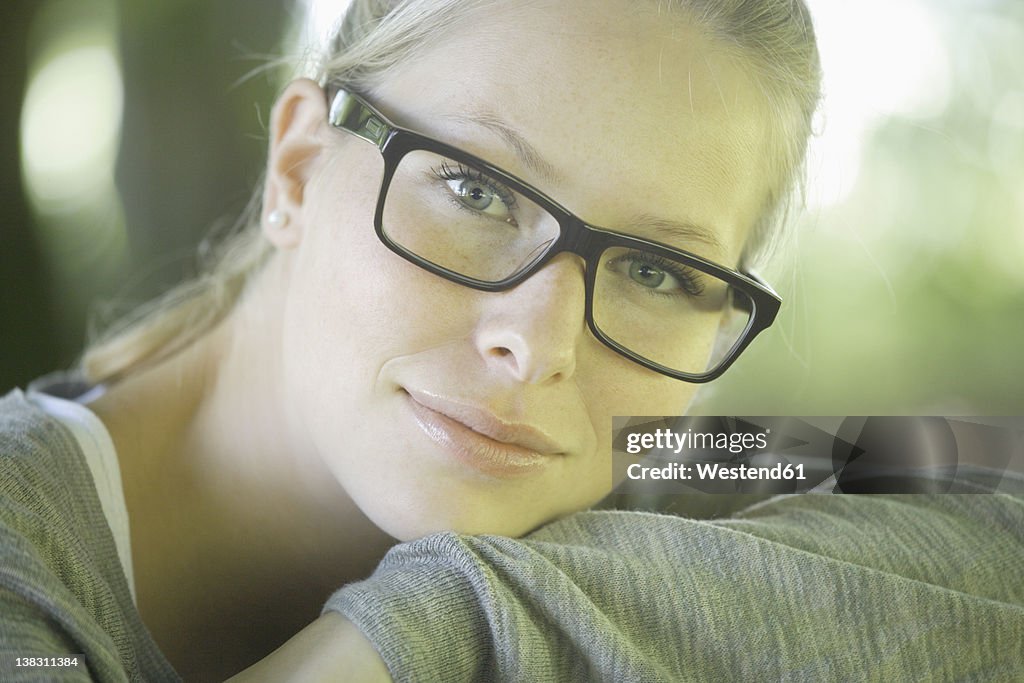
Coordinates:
633	112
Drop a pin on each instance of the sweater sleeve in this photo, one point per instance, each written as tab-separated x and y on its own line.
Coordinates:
810	587
62	587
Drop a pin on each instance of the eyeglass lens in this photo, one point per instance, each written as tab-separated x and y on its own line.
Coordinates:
455	216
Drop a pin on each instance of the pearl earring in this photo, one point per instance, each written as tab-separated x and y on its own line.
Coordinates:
277	219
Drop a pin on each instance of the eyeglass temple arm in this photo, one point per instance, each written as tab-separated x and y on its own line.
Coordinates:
357	117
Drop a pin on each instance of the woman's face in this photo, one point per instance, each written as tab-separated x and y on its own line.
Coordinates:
438	407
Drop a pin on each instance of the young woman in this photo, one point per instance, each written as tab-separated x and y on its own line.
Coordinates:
485	230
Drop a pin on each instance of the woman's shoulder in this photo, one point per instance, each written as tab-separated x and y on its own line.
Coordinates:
37	452
51	448
41	460
61	582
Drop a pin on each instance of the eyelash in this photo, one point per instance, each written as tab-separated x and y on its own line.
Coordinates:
446	172
688	278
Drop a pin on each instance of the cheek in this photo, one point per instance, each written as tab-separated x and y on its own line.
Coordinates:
352	300
619	388
366	305
353	306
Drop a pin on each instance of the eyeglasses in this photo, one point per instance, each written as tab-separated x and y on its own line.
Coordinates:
466	220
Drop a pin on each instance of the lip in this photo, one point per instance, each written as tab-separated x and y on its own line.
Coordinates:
478	438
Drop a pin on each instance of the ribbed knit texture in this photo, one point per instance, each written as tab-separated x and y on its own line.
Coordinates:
62	589
800	588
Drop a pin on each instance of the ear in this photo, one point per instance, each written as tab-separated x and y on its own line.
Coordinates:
296	127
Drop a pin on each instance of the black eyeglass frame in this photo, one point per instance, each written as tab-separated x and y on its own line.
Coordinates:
352	113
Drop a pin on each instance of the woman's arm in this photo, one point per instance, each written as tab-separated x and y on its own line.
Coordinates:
806	587
329	649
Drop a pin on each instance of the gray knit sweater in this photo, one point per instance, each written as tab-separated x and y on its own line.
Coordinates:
62	588
799	588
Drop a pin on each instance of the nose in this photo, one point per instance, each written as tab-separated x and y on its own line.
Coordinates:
532	331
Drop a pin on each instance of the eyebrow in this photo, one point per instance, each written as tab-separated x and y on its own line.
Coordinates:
668	231
526	152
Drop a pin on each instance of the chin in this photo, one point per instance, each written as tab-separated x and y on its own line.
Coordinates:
408	523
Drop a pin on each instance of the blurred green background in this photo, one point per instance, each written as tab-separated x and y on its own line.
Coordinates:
132	128
129	129
906	294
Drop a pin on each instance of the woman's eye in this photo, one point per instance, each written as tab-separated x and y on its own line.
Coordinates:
648	275
652	277
655	274
479	197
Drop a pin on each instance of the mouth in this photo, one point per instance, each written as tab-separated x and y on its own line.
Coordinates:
478	438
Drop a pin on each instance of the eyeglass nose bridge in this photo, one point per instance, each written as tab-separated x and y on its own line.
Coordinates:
574	237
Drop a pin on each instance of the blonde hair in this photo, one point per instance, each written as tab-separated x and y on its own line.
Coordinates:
774	38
